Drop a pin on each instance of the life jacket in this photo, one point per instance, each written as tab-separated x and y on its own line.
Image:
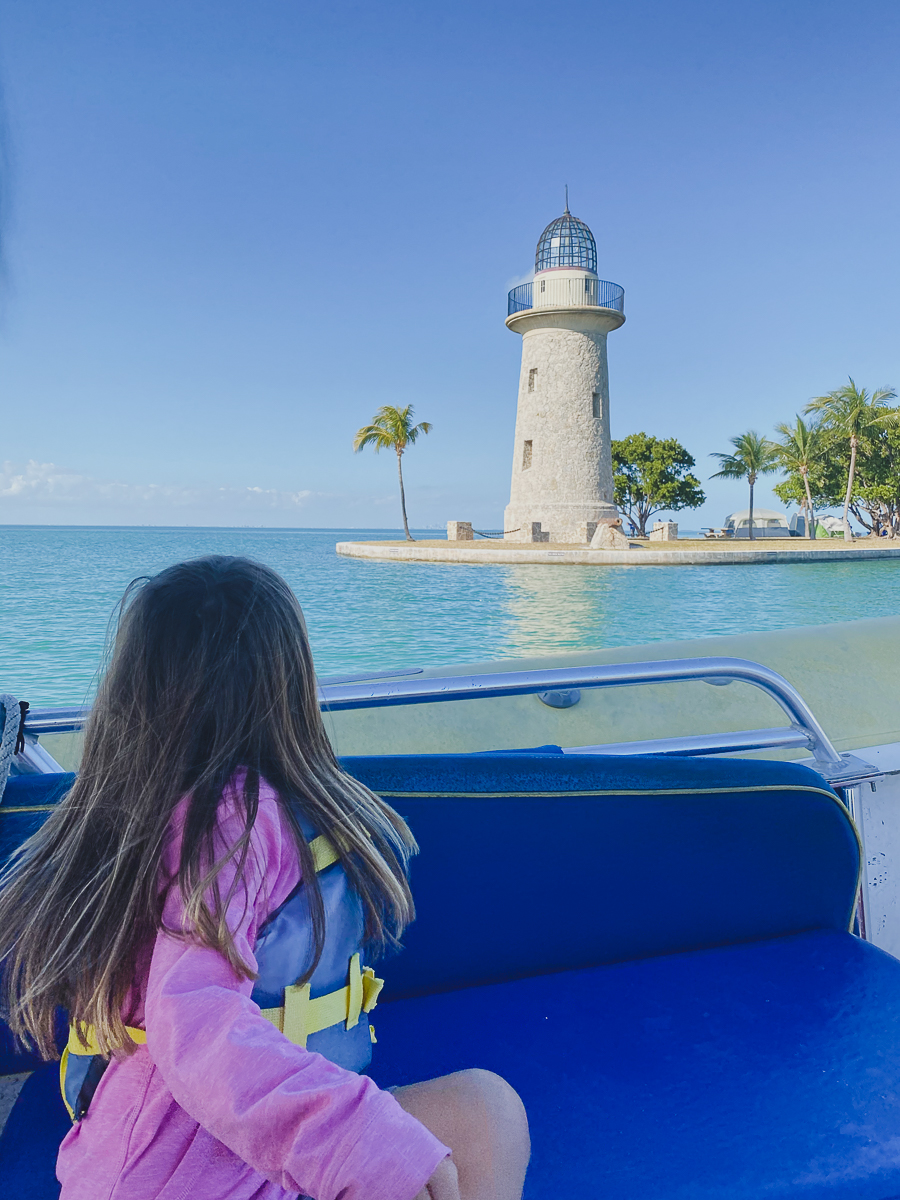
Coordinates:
328	1014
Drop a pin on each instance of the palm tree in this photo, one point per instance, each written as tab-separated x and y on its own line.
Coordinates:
754	455
852	412
392	429
799	448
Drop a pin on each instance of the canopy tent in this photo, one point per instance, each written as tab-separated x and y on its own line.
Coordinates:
766	523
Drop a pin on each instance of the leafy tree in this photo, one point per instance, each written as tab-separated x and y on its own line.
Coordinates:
799	449
651	476
754	455
875	502
392	429
851	411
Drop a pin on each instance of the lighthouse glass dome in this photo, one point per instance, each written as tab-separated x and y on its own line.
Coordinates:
566	242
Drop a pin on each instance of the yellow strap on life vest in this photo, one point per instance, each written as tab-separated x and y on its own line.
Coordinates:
324	854
83	1040
300	1017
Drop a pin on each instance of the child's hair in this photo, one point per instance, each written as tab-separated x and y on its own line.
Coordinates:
211	672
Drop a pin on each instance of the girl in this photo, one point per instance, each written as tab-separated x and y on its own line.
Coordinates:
210	823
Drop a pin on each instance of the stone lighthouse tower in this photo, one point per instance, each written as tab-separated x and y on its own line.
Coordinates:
562	467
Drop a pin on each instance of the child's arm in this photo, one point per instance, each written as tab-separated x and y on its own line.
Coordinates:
298	1119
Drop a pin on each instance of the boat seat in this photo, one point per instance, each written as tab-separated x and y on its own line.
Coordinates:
655	952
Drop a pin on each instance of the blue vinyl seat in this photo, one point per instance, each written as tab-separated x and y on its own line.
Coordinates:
38	1121
654	952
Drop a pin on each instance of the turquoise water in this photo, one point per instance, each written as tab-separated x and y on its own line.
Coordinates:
58	587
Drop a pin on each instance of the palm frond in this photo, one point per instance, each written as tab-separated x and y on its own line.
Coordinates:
754	455
391	428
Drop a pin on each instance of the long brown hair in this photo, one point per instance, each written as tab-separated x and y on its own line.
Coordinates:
211	672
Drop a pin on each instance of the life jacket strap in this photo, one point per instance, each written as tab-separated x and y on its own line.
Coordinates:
300	1017
324	854
83	1040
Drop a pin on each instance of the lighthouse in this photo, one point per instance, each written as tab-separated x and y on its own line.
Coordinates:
562	480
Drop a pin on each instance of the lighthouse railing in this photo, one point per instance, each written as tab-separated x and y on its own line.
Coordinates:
550	292
520	298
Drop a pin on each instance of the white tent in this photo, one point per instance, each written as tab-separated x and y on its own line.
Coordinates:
763	519
832	524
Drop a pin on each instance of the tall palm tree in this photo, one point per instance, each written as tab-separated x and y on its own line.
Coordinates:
852	412
800	446
392	429
754	455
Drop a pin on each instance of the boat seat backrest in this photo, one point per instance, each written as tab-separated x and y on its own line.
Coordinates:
533	863
530	864
26	803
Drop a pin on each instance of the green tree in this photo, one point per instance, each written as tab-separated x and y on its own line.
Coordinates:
754	455
875	502
651	476
798	451
392	429
851	411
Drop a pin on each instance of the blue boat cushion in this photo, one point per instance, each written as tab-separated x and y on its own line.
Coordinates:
30	1141
26	803
546	863
763	1070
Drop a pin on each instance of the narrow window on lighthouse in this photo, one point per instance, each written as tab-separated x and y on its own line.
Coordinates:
543	285
596	403
526	456
532	379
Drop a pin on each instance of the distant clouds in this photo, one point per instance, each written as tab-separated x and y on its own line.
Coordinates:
35	485
41	493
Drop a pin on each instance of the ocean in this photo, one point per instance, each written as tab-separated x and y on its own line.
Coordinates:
59	587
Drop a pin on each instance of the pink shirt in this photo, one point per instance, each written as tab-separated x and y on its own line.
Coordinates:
219	1105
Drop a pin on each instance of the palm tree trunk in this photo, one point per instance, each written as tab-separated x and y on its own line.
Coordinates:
409	536
752	481
848	534
810	515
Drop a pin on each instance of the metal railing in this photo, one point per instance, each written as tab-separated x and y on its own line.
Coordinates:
374	691
520	298
555	292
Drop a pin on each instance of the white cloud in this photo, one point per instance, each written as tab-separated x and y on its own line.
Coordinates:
46	485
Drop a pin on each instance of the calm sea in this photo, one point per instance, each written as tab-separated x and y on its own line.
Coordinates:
58	588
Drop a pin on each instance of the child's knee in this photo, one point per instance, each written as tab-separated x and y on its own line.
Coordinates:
496	1098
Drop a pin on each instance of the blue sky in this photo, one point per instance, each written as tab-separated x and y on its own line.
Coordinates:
233	230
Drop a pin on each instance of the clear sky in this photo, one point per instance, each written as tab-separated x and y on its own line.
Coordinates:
234	229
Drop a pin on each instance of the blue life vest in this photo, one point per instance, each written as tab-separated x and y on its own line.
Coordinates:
328	1014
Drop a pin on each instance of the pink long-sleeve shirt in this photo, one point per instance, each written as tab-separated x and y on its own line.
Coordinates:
218	1105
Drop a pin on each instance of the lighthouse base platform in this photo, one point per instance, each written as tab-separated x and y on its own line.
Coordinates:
686	552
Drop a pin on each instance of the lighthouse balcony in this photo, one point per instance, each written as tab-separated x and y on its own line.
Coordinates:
567	293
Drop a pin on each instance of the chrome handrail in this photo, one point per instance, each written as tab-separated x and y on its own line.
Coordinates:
804	729
783	737
511	683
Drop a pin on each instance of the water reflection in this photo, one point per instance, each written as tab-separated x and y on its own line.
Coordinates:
553	610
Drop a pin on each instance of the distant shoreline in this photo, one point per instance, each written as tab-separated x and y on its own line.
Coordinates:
389	529
689	552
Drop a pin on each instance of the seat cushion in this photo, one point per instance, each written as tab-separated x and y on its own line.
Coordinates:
26	803
538	863
30	1141
764	1070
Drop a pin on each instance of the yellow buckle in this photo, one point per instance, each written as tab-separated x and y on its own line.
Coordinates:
300	1016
